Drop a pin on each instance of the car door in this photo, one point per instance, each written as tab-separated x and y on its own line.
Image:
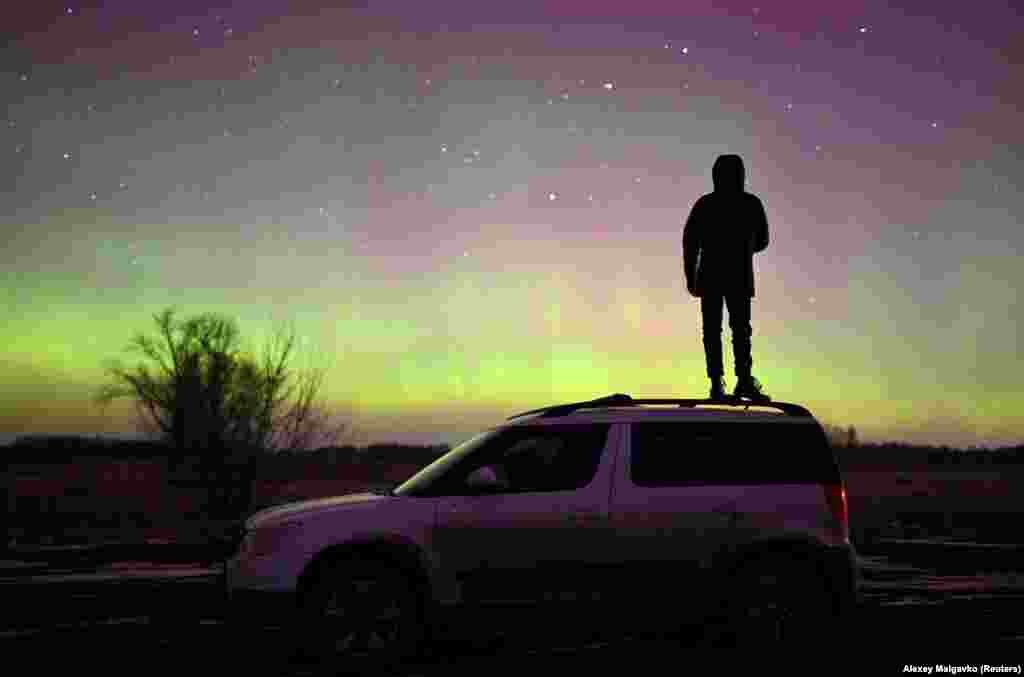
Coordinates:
529	541
669	513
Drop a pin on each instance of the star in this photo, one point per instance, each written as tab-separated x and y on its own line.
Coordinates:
685	50
92	196
122	185
789	106
863	29
444	148
195	32
67	156
935	124
69	10
668	45
552	197
609	85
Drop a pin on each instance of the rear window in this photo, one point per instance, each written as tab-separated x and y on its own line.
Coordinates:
679	454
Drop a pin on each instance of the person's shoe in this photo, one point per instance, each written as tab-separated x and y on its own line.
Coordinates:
717	389
749	388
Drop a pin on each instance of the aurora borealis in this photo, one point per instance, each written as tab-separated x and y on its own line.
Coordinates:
476	209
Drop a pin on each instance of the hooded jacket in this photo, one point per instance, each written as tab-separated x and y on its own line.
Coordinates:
724	230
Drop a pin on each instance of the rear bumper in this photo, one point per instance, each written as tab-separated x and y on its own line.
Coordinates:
842	575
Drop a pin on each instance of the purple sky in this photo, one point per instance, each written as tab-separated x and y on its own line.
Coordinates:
476	208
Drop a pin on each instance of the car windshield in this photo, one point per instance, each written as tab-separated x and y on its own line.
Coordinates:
422	481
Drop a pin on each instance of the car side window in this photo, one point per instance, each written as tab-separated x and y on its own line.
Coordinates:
693	454
544	458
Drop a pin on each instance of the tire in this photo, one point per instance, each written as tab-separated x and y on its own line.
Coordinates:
779	600
360	611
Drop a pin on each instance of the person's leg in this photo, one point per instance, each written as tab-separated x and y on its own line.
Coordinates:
711	316
739	325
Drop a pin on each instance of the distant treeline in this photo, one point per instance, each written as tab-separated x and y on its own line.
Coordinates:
65	449
897	455
55	449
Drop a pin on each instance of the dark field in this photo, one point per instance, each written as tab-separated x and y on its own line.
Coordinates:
923	604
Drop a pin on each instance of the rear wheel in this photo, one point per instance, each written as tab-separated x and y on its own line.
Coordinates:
360	610
779	600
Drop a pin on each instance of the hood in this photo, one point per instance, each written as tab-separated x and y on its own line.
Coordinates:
728	173
284	511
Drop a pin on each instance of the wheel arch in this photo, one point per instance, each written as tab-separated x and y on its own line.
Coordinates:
815	555
401	552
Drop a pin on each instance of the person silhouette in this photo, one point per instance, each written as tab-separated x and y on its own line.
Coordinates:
724	230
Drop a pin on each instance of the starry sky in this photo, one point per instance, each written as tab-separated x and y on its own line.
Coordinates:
476	208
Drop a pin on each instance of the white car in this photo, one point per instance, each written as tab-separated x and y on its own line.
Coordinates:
673	504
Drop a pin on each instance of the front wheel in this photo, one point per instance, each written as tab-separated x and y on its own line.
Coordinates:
359	610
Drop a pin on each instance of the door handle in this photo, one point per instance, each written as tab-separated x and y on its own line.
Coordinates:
727	512
725	509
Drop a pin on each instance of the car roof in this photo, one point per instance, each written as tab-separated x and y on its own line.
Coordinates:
620	407
660	414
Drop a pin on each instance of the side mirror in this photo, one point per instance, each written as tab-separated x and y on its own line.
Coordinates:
484	479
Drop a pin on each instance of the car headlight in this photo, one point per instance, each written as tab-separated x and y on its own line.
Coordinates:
266	540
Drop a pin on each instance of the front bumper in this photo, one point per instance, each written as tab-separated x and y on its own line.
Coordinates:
261	607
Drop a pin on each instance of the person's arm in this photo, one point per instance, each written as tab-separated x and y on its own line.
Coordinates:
760	229
692	243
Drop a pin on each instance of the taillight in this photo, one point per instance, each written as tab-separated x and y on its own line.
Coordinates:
835	496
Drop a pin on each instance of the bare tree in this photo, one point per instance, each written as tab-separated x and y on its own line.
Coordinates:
287	415
838	436
208	392
205	395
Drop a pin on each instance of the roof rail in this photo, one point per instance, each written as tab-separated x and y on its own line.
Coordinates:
623	400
